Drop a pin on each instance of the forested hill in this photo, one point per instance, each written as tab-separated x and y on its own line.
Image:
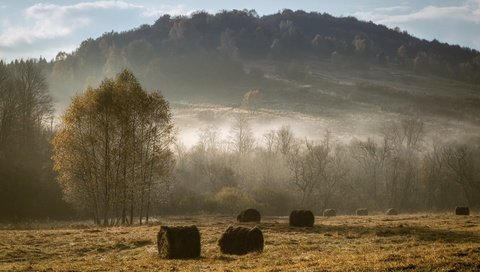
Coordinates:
212	50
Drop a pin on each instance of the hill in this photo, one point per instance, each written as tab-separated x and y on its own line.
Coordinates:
211	51
338	69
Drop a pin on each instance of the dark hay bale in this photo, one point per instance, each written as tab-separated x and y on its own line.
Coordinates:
178	242
391	212
362	212
329	212
249	215
301	218
462	211
240	240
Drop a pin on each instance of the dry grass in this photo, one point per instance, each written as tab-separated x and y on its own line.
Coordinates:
343	243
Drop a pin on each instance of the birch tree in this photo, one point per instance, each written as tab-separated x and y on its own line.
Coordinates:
113	150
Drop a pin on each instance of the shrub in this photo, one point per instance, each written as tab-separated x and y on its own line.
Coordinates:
362	212
329	212
273	201
182	200
391	212
231	199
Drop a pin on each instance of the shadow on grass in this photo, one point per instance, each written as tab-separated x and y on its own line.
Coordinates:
421	233
225	258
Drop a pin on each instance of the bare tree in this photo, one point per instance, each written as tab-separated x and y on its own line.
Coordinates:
371	158
462	162
34	102
269	139
25	166
307	168
335	174
242	136
434	177
412	132
284	140
210	163
402	145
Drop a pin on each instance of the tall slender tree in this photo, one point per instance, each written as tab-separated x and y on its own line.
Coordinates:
27	187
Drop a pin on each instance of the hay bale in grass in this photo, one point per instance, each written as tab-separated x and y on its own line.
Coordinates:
462	211
362	212
301	218
329	212
249	215
391	212
240	240
178	242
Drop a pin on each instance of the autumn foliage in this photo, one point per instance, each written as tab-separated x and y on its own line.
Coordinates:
112	152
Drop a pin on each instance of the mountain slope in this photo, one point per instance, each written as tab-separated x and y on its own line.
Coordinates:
307	63
210	49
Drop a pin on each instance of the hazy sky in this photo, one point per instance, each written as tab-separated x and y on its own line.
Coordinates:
42	28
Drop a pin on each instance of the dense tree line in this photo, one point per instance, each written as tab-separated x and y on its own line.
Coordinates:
27	181
280	172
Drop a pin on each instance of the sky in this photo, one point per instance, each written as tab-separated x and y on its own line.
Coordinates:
43	28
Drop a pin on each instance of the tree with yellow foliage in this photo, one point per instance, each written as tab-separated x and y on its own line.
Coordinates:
112	152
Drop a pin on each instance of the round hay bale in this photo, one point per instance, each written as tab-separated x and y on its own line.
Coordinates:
301	218
391	212
462	211
329	212
240	240
249	215
362	212
178	242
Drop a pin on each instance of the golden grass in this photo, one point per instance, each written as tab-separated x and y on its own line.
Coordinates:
423	242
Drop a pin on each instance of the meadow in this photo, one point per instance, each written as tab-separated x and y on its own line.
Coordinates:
409	242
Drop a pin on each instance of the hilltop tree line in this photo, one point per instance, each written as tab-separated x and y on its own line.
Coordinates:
175	48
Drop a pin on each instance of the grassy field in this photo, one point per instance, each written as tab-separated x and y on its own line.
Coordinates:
420	242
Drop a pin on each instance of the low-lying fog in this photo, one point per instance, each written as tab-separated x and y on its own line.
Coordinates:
191	119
